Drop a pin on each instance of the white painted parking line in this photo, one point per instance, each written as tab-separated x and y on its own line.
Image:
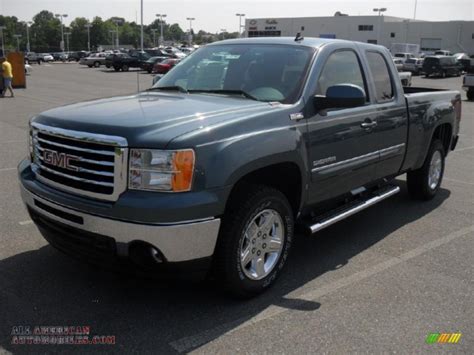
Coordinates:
459	181
194	341
462	149
25	223
7	169
17	141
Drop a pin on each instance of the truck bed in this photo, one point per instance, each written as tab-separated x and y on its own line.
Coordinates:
426	108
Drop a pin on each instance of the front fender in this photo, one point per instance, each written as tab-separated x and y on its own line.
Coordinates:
229	160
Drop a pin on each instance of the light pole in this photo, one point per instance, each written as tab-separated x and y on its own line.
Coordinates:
67	34
141	25
240	22
112	33
2	28
161	27
61	16
88	26
153	30
190	38
17	42
28	23
117	21
223	31
380	10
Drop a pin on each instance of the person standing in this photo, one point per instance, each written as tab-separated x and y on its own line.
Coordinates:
7	74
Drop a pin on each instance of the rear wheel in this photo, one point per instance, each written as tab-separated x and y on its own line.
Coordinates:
254	240
125	67
424	183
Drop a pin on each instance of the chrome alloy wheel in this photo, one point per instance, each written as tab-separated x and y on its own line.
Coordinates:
436	166
262	244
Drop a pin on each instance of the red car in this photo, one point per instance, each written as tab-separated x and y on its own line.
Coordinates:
165	66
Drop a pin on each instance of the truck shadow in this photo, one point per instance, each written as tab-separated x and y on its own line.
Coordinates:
43	287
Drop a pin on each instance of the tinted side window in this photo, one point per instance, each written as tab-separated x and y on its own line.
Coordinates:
342	67
381	74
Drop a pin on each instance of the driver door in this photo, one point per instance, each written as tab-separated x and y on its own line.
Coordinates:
342	145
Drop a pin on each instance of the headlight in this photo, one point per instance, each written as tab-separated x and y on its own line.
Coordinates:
161	170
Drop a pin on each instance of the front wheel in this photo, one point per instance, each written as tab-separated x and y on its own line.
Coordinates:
254	240
424	183
125	67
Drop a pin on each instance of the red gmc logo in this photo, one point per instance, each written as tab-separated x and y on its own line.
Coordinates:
61	160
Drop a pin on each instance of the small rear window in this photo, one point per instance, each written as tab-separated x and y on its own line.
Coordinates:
382	79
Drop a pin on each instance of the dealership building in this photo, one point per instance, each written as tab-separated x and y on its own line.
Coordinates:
455	36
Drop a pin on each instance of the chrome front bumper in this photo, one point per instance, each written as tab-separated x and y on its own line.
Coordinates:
177	242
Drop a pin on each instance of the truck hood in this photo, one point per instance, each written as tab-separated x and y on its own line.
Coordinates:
152	119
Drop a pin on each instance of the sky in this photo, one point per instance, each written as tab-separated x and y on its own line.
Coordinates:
214	16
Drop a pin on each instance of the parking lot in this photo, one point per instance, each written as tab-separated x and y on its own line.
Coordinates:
379	281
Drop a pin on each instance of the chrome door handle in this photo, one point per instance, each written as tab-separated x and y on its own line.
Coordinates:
368	124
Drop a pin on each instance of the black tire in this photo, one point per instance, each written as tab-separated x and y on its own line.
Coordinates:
107	66
90	66
470	94
125	67
248	203
97	64
116	68
418	180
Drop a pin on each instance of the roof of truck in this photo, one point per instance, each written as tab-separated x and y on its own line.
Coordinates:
306	41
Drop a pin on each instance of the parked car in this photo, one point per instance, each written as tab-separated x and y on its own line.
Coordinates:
443	53
124	61
404	56
414	65
157	52
405	78
398	63
149	64
165	66
60	56
216	164
32	57
175	52
441	66
94	60
45	57
76	56
468	82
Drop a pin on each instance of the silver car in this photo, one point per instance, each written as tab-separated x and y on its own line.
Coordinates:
94	60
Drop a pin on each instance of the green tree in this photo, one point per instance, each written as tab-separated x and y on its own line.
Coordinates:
45	32
78	40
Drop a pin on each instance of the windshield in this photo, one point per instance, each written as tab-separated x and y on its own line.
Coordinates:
265	72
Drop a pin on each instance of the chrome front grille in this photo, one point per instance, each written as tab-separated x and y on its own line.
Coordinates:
82	163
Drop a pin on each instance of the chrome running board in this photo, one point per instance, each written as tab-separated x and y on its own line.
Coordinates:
353	209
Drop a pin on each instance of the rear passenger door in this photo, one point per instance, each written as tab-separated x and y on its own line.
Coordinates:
341	144
388	101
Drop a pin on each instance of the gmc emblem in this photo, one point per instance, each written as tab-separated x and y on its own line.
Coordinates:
61	160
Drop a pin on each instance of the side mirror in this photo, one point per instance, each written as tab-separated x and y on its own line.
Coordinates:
341	96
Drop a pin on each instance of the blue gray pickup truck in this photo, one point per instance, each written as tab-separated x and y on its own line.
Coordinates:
215	166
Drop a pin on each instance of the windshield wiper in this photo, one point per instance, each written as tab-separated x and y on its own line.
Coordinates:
170	88
229	92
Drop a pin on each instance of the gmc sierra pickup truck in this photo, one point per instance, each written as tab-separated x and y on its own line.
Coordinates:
215	165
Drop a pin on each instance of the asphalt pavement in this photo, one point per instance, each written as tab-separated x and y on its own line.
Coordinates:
379	281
